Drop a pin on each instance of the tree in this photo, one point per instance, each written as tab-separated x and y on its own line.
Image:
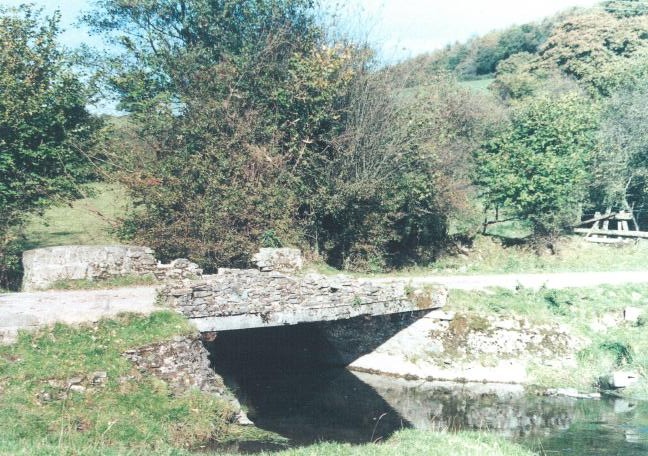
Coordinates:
539	166
44	123
240	101
622	162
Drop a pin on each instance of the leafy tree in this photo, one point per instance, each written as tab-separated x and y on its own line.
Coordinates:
622	163
43	122
266	132
539	167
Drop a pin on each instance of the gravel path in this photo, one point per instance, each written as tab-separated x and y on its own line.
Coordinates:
33	310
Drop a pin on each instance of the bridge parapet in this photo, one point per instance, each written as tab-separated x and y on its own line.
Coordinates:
248	298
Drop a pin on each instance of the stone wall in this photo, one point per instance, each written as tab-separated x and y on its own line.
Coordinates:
183	363
461	347
239	299
44	267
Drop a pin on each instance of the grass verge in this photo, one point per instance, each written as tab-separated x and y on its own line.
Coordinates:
113	282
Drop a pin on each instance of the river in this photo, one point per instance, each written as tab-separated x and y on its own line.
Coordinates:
288	391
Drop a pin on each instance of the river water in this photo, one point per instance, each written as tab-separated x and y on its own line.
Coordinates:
290	393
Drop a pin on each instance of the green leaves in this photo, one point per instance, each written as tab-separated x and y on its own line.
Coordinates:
540	165
44	125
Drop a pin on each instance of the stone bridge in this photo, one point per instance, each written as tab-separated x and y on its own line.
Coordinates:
251	298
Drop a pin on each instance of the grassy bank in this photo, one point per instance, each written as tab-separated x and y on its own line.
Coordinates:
595	315
417	443
135	414
39	414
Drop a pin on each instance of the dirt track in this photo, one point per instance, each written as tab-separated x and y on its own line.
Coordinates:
33	310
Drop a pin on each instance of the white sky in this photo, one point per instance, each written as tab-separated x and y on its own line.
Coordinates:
400	28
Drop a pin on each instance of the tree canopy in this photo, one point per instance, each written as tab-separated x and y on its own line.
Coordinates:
44	124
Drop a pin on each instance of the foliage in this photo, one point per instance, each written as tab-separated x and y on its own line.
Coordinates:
599	50
231	96
622	163
540	165
44	126
269	134
626	8
478	57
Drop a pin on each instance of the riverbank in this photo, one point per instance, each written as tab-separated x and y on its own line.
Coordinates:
571	339
70	390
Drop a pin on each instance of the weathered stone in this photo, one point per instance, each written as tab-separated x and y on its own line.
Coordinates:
182	362
44	267
99	378
284	260
75	380
467	347
239	299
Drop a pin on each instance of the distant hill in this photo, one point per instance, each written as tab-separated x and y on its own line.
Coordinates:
596	47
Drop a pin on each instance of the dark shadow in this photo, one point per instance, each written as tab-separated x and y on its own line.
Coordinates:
511	241
283	377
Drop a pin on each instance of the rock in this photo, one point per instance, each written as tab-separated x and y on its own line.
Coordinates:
242	419
75	380
78	389
99	378
618	380
283	260
632	314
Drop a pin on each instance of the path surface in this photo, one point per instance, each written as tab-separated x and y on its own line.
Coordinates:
555	280
33	310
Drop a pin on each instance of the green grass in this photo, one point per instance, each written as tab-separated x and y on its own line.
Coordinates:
417	443
478	85
113	282
584	311
89	221
493	255
134	413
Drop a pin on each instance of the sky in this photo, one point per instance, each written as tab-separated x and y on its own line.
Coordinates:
399	28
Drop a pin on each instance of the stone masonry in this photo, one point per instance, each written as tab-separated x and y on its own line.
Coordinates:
44	267
239	299
183	363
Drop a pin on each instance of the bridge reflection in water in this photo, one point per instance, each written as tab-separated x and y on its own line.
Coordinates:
293	382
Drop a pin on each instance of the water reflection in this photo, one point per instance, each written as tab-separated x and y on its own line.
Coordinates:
282	378
548	425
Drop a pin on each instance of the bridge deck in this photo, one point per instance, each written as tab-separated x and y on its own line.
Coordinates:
241	299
